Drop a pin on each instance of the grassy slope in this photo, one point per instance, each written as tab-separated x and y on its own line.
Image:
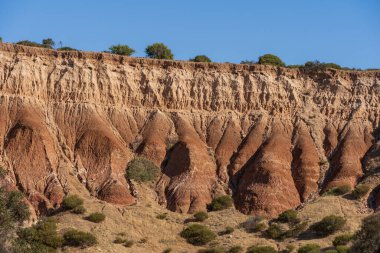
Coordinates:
140	221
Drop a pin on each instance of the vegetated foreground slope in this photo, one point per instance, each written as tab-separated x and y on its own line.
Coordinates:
273	137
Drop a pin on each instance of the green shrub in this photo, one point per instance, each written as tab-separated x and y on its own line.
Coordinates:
342	249
212	250
367	239
48	43
197	234
278	232
275	231
79	209
296	66
261	249
342	239
158	51
23	247
1	40
220	203
13	208
67	49
259	227
319	66
331	65
162	216
289	216
296	230
330	251
328	225
30	43
41	237
313	65
227	230
128	243
121	50
270	59
119	240
96	217
339	190
77	238
201	58
142	170
3	172
13	212
200	216
235	249
360	191
71	201
310	248
124	242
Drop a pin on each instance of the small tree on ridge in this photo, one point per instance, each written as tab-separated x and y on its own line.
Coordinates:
48	43
201	58
270	59
121	50
159	51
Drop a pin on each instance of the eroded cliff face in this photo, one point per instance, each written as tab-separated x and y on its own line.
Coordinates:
272	137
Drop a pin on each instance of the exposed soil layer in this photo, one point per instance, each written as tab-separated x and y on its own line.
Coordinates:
271	137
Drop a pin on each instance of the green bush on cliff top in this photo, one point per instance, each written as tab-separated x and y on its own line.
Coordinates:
270	59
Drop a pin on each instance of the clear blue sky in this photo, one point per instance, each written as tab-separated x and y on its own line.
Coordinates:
343	31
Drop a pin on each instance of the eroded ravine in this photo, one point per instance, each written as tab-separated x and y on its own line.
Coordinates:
272	137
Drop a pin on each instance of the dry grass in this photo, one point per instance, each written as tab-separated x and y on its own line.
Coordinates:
139	221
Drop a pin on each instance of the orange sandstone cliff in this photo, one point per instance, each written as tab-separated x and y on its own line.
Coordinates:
271	137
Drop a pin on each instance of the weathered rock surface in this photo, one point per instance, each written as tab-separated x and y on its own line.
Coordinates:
273	137
305	162
266	185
